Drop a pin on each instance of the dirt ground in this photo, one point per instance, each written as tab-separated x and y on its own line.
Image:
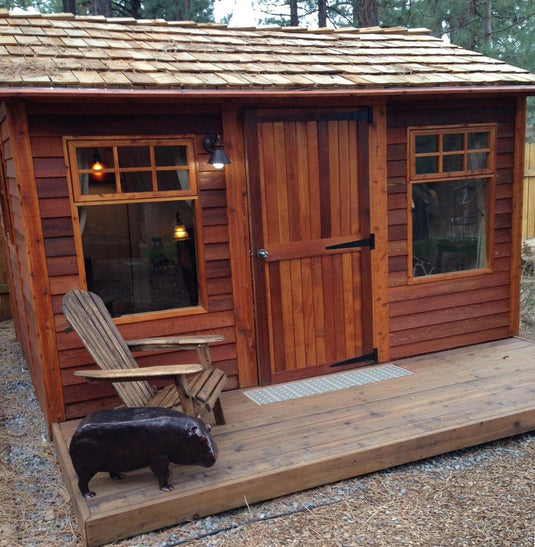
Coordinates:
483	496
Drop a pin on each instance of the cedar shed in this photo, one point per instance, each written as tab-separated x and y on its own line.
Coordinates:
371	209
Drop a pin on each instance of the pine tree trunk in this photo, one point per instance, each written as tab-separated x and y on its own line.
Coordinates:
182	10
69	6
487	22
367	13
322	13
101	7
294	17
135	9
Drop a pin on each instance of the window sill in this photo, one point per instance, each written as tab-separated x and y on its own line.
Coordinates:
449	276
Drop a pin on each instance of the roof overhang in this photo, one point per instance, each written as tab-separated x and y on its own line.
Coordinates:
46	93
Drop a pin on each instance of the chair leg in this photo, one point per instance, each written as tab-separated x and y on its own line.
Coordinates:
218	413
183	395
203	353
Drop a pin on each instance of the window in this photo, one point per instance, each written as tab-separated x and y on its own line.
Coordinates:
451	180
138	214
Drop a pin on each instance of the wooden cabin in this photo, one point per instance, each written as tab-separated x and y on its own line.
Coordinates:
371	209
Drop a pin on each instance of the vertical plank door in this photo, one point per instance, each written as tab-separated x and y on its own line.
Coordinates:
309	198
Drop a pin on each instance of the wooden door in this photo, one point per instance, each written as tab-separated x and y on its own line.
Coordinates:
309	198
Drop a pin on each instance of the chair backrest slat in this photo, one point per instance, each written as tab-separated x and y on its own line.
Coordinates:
87	314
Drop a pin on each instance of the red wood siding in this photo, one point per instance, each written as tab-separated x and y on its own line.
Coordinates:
437	315
12	265
46	133
26	268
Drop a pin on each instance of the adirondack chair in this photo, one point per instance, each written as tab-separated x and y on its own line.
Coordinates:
197	393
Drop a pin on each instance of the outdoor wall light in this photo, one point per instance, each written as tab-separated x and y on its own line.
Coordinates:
213	144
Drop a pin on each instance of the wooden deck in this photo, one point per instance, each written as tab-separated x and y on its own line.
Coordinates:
455	399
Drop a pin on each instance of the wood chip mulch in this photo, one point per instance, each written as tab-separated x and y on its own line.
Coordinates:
483	496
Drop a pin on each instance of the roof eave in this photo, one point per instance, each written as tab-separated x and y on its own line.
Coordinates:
203	93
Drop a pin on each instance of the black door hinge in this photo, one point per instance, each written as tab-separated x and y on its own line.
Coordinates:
368	242
372	357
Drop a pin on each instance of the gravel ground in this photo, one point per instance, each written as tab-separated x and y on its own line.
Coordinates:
483	496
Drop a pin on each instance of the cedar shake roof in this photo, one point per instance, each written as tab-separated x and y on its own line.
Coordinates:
63	51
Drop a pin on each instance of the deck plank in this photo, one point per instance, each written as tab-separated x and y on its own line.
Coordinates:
454	399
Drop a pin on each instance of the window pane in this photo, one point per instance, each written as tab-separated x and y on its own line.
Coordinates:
133	156
172	180
452	142
98	181
166	156
478	140
426	165
426	143
136	182
132	260
452	163
449	226
86	157
478	160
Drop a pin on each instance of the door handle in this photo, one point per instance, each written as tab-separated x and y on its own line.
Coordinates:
262	254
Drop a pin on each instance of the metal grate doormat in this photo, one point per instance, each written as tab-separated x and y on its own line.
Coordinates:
323	384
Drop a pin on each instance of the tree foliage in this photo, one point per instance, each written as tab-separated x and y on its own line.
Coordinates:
499	28
201	11
503	29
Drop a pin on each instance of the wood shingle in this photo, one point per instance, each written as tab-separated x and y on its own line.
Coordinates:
56	50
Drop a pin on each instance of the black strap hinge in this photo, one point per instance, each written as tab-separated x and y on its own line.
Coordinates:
372	356
368	242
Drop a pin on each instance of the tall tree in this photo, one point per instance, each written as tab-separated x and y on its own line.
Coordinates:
201	11
366	13
294	14
69	6
499	28
100	7
487	23
322	13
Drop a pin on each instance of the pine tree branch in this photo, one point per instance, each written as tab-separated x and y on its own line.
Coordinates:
512	25
341	14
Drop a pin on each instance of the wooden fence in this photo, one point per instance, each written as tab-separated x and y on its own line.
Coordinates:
528	212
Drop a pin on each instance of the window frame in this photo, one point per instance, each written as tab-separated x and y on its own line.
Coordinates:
78	200
74	143
488	173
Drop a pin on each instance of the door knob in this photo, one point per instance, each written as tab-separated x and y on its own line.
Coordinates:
262	254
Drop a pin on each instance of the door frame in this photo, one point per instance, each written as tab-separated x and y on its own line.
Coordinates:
364	118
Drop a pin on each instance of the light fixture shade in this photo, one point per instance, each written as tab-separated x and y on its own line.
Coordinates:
180	233
97	166
218	158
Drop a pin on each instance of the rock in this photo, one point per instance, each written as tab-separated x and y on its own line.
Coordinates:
49	515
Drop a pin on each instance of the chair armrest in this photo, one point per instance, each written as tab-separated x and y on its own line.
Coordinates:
172	342
144	373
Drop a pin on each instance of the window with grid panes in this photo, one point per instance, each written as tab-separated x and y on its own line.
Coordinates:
129	195
451	177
